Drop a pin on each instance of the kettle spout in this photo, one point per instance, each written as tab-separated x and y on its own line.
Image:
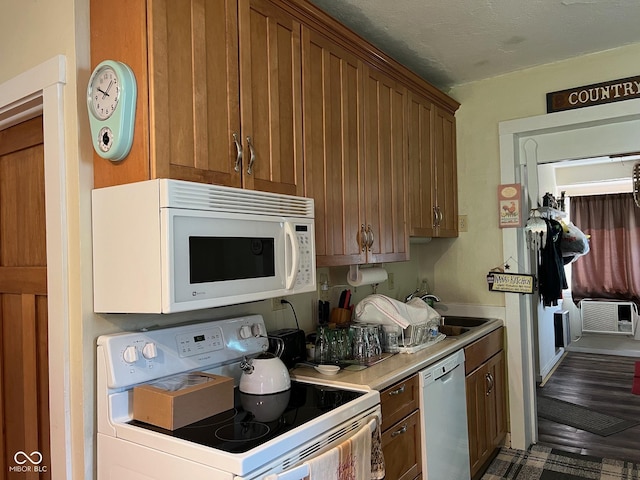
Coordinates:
247	366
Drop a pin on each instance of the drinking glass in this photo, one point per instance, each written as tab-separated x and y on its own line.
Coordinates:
360	344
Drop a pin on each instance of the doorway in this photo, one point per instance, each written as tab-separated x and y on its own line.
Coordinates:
24	365
35	92
587	132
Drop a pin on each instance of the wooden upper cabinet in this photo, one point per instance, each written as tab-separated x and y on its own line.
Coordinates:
270	97
433	195
333	147
194	91
385	170
421	186
446	174
210	75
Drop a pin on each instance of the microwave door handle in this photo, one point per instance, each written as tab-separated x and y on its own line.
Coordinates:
290	236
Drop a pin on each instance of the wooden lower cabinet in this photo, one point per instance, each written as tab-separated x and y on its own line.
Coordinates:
401	438
486	399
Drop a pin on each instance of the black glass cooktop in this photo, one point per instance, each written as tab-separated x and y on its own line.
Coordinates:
257	419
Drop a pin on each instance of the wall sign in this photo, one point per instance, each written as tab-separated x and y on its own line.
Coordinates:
510	282
510	205
595	94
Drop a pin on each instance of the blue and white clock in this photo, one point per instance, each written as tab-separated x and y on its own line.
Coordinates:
111	100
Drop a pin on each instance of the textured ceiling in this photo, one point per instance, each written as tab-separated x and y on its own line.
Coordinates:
451	42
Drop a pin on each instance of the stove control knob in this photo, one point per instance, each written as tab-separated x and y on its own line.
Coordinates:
149	351
245	332
256	329
130	354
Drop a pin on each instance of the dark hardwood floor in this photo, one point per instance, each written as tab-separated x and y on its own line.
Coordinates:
602	383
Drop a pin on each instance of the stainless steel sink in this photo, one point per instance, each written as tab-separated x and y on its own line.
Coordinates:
452	330
468	322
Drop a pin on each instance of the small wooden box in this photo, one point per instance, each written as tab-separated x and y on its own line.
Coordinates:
161	404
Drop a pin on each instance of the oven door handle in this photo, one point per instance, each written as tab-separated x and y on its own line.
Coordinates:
296	473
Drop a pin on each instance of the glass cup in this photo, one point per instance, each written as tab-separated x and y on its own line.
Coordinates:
360	348
323	347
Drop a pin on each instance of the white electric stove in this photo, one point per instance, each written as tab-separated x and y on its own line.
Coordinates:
235	444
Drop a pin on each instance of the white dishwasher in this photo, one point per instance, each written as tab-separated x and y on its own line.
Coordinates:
443	420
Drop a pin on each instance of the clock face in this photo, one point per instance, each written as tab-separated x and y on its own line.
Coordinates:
105	93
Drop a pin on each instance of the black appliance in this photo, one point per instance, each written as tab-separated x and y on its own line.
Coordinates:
289	344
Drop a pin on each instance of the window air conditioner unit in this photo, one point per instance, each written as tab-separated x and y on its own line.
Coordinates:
609	316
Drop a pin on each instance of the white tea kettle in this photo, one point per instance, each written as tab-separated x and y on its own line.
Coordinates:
264	374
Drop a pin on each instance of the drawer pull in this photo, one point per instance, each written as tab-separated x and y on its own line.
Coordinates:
400	431
490	383
397	391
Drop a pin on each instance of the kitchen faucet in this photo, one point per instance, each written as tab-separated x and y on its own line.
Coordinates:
430	296
423	297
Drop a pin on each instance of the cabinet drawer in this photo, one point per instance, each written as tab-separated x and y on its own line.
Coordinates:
482	349
401	448
398	401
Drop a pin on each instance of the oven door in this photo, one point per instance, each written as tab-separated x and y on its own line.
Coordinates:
295	466
217	259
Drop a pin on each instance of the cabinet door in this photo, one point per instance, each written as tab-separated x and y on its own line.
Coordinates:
332	113
193	61
496	405
446	173
402	448
385	163
420	184
270	97
477	386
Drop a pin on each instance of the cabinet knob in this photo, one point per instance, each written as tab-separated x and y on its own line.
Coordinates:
252	158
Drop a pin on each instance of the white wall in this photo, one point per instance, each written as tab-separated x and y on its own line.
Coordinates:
461	265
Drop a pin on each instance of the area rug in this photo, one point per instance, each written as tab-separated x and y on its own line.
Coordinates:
545	463
581	417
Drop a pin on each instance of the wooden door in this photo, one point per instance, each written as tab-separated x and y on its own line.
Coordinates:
420	183
385	155
270	97
194	113
446	173
332	113
24	387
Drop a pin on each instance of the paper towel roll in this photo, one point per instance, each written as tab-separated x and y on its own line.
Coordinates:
366	276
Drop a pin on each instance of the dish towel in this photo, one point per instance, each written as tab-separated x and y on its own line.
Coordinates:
635	389
377	458
351	460
378	308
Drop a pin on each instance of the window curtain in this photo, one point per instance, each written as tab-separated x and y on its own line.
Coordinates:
611	270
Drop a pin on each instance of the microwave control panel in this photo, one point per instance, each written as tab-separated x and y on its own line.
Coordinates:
305	269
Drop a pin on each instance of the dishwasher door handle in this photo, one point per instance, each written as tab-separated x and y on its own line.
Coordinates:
446	378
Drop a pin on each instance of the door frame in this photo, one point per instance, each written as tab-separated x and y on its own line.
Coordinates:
587	132
40	90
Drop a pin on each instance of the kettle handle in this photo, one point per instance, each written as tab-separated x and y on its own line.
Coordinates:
279	346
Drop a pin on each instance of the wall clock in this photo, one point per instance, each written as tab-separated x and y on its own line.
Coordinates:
111	100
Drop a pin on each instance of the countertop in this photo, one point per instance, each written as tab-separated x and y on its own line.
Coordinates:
398	366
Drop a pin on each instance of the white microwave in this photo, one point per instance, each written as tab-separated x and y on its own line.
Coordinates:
164	246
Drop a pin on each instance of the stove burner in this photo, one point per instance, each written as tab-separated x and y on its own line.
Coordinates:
242	432
223	417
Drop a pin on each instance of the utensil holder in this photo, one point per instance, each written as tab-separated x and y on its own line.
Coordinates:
340	316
